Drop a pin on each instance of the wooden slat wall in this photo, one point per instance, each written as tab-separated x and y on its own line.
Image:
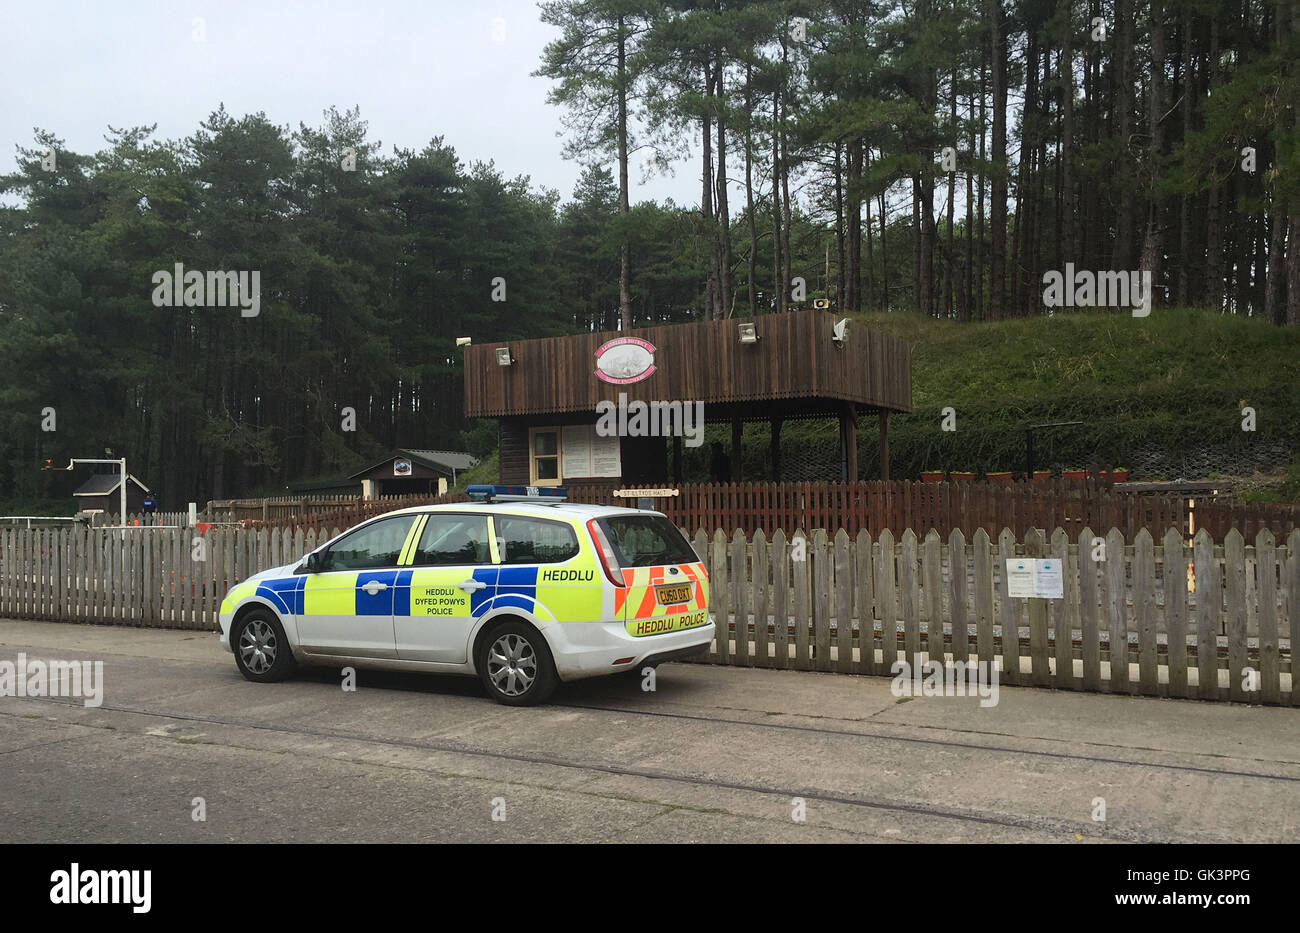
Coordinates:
703	361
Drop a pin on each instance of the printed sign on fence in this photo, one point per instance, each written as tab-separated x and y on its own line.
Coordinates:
1029	578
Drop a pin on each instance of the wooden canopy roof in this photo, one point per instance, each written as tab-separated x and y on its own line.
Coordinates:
795	362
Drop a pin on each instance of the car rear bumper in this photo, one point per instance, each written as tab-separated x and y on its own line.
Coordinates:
589	649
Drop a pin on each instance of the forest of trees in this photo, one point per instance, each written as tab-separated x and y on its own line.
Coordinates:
1114	135
924	157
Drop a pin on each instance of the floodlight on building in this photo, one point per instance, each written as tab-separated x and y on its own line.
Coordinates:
462	341
503	356
840	332
748	333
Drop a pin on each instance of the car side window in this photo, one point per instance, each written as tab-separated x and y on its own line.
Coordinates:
379	544
534	540
453	539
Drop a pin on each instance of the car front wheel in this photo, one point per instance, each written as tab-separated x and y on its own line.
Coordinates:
262	652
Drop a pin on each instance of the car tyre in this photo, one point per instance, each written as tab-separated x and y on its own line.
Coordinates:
515	665
262	651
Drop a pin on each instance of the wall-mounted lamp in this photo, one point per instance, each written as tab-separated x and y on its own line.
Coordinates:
462	341
840	332
503	356
748	333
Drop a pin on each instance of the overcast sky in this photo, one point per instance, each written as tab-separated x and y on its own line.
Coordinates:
416	69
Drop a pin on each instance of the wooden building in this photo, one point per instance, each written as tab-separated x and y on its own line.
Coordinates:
548	394
100	493
409	472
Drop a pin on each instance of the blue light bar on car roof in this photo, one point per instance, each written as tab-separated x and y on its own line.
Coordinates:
485	493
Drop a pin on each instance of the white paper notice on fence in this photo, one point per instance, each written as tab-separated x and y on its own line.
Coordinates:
1020	577
1048	582
1028	578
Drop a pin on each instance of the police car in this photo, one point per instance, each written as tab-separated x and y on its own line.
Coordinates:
519	587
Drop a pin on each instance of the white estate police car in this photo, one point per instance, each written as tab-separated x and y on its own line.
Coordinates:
521	588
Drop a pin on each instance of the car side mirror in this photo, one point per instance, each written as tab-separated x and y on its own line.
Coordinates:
315	562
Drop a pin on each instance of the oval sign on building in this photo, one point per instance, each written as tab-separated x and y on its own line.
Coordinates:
625	360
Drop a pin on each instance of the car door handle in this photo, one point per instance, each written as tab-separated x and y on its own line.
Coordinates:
374	586
472	586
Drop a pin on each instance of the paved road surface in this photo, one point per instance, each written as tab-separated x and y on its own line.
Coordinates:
713	755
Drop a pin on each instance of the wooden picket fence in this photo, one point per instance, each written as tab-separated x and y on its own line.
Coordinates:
1156	619
875	505
161	577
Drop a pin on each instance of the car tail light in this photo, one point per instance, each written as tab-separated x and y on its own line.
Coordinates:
605	553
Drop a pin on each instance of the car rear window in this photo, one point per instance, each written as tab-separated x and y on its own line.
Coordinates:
647	541
534	540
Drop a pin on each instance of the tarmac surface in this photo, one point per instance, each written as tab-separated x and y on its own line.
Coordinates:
714	754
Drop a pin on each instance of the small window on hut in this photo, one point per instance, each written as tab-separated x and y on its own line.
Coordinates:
544	456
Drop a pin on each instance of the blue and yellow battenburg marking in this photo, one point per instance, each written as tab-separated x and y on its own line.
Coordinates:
285	594
569	594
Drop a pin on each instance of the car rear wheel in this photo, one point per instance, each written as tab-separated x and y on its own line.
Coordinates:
262	652
515	665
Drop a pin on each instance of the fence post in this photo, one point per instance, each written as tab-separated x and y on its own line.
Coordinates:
958	594
843	604
1010	610
1175	583
1207	617
718	594
1266	592
739	599
780	599
760	566
1113	581
819	552
1144	610
887	602
865	598
1292	584
1041	674
1234	576
1065	611
932	575
908	598
799	561
985	649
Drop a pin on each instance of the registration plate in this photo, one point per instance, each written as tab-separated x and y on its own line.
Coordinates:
673	593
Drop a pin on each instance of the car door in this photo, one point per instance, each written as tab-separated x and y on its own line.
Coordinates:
348	602
545	570
449	575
